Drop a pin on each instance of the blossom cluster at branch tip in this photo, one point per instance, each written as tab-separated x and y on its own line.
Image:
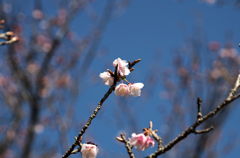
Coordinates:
132	89
89	150
141	141
122	67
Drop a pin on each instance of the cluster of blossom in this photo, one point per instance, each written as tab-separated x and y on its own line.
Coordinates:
130	89
140	141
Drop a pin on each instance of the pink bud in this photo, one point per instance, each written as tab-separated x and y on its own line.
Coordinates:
89	150
122	68
122	90
135	89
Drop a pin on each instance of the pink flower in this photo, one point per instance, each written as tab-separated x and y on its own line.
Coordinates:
141	142
122	90
210	1
135	89
214	46
122	66
89	150
107	78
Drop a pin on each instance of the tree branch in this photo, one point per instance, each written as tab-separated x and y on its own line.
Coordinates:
127	146
33	120
204	130
94	114
78	139
192	129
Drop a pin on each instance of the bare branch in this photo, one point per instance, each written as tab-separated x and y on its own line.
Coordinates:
93	115
199	108
85	127
101	27
192	129
127	146
235	88
204	130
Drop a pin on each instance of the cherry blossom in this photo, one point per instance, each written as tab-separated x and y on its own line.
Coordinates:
89	150
135	89
107	78
122	68
228	53
122	90
141	141
210	1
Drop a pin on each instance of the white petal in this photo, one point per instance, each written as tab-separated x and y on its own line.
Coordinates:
139	85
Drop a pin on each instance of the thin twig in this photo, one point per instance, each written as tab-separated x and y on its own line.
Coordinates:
192	129
155	135
199	108
204	130
94	114
235	88
127	146
98	32
158	139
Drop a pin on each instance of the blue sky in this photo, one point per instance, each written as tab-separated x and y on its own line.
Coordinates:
151	30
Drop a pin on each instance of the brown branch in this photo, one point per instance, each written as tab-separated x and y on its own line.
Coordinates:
60	35
29	95
131	64
33	120
98	32
235	88
192	129
35	99
77	142
15	127
45	65
94	114
204	130
199	108
127	146
156	136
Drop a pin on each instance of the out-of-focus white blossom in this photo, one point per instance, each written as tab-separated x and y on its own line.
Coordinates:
89	150
228	53
141	141
210	1
107	78
122	68
122	90
135	89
